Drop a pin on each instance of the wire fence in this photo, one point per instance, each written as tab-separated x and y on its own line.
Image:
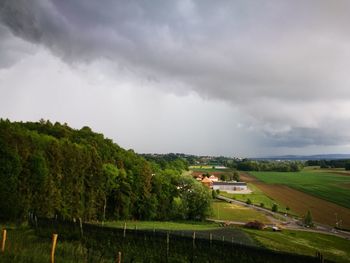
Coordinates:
103	244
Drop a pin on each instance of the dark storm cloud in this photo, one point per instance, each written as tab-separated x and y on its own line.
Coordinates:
292	54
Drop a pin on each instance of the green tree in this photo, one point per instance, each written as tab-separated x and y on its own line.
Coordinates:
308	219
274	208
236	176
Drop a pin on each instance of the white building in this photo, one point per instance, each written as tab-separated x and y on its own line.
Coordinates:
230	186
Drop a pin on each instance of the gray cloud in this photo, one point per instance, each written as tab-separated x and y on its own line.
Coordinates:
282	64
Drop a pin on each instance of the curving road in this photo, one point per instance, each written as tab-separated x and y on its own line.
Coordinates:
288	222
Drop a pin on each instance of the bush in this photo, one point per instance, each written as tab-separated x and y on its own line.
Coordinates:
255	225
274	208
249	202
262	205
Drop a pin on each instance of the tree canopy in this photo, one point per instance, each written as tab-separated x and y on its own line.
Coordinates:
54	170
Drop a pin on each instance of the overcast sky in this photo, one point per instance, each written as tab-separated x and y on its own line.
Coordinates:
234	78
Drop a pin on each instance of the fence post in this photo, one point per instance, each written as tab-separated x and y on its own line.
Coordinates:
167	246
194	238
119	257
54	242
81	227
124	232
4	234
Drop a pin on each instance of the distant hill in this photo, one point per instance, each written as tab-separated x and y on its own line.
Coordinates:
306	157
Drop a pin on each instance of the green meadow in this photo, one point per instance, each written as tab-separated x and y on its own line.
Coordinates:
306	243
256	196
164	225
239	213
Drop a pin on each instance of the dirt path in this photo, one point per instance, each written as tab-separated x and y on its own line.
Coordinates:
322	211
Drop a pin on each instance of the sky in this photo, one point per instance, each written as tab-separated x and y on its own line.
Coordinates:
233	78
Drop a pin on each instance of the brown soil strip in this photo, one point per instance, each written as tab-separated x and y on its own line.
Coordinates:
196	173
340	173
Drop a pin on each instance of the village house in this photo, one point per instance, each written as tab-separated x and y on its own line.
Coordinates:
213	178
207	182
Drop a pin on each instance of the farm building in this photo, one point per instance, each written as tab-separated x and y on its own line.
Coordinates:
230	186
207	182
213	178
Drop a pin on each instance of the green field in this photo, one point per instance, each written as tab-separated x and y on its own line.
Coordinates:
232	212
164	225
257	197
306	243
332	187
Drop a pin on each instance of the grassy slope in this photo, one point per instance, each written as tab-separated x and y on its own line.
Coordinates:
188	225
232	212
333	248
324	185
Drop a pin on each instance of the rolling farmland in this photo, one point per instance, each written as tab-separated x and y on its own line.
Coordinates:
284	188
328	186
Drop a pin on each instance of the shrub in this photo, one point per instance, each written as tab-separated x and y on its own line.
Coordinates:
255	225
249	202
274	208
262	205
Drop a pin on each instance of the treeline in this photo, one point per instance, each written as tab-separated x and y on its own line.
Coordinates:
330	163
52	170
278	166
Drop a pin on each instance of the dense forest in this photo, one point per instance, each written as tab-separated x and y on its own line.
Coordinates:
52	170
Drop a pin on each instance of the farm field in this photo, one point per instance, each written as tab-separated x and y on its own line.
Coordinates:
306	243
257	197
233	212
331	187
300	202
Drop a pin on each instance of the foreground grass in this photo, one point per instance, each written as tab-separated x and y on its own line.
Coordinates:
164	225
305	243
324	185
23	245
232	212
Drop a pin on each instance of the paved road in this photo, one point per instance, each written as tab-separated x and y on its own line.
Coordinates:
286	221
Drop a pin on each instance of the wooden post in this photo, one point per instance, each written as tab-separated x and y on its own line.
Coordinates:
210	238
167	246
4	232
223	238
119	257
194	238
81	227
124	233
54	242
